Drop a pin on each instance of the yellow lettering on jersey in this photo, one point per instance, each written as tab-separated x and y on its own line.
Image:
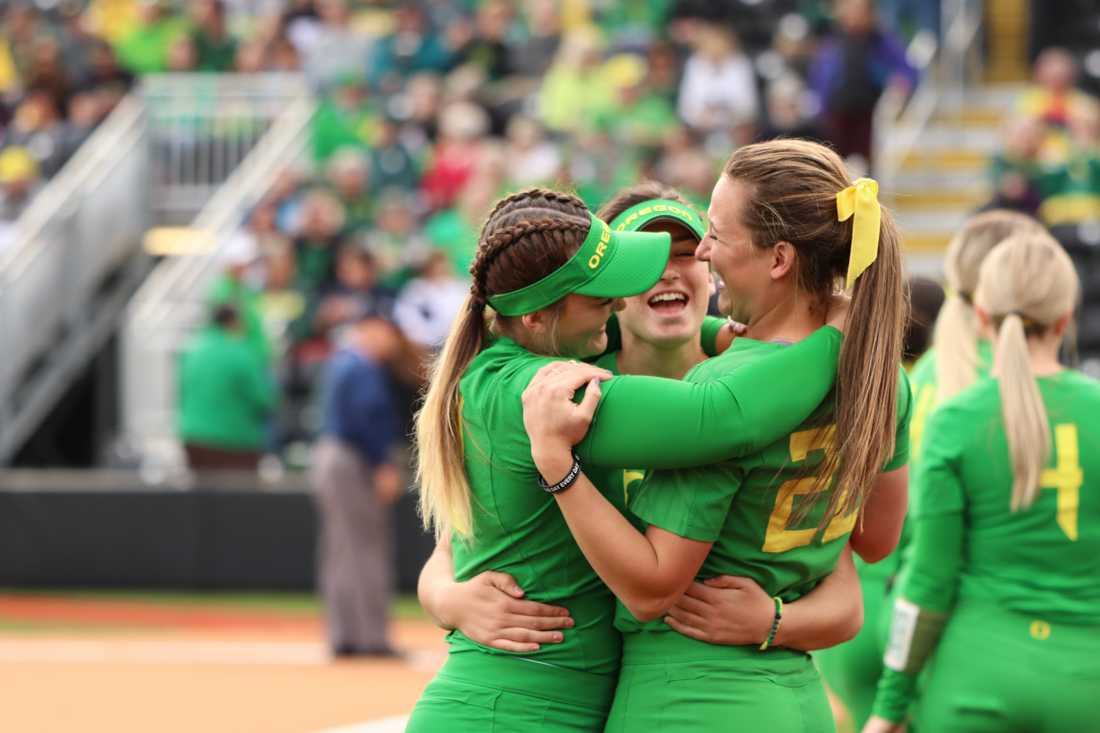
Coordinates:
780	537
1040	630
629	478
1066	477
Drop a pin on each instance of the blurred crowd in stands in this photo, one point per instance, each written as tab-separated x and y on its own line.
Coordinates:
1049	164
430	111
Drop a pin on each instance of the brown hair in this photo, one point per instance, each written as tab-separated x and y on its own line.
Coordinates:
1027	283
926	298
955	337
527	236
636	194
793	186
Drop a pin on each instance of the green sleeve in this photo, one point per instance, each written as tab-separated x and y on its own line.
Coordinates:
905	413
648	422
689	502
708	335
929	584
921	612
935	484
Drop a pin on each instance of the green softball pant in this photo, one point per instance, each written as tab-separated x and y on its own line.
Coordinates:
999	672
476	692
673	684
851	670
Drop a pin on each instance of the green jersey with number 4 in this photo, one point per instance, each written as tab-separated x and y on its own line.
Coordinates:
1043	560
750	507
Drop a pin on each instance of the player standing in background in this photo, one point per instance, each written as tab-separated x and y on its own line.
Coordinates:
959	355
661	331
552	274
781	235
1006	541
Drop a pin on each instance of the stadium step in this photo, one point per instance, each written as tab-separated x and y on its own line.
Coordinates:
940	199
944	179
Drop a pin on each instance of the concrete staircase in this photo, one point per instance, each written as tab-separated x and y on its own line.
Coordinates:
945	177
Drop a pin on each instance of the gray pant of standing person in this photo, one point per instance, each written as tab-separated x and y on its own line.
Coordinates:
355	555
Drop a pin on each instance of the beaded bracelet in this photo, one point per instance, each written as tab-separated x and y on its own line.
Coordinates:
775	623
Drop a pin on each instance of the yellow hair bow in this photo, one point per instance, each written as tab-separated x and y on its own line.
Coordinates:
861	200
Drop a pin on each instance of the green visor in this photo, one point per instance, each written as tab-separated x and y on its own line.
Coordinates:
608	265
639	215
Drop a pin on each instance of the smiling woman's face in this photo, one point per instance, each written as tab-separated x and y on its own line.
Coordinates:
582	325
672	311
743	269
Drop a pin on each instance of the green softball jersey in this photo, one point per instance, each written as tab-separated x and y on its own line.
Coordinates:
642	422
972	551
923	382
745	506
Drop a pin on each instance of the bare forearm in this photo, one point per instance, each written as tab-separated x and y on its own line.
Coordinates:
436	577
619	554
831	614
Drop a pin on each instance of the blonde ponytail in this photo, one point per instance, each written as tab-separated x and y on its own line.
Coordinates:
955	336
527	236
955	339
1025	416
867	375
1027	284
440	468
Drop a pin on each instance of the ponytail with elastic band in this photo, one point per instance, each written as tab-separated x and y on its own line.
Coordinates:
860	200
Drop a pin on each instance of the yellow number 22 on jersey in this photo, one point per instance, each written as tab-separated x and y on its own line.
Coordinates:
780	537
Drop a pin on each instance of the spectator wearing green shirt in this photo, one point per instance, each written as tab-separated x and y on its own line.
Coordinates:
348	173
215	48
225	397
322	220
144	50
346	117
238	287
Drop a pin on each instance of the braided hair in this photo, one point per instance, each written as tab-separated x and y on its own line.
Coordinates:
527	236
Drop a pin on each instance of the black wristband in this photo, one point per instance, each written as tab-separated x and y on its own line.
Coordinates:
565	483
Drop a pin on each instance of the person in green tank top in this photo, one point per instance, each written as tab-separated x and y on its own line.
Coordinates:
959	355
1001	595
781	235
663	331
550	274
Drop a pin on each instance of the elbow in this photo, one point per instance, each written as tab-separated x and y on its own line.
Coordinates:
872	548
852	623
649	607
871	554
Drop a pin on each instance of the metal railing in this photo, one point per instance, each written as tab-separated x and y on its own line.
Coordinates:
947	69
202	126
63	279
171	304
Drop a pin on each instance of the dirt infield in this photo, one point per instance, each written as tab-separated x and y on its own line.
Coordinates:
101	664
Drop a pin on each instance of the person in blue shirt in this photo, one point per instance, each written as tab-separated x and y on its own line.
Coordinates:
355	478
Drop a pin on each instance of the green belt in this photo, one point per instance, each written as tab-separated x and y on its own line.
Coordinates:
531	677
